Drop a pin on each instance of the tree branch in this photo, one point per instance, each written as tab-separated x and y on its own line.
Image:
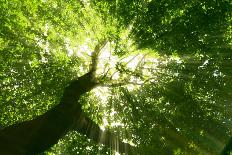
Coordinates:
95	54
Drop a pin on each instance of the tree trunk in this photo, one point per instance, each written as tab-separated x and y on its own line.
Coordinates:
37	135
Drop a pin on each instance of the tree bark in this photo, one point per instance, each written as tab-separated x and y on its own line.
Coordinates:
39	134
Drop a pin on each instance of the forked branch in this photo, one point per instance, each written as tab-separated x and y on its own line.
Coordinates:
95	55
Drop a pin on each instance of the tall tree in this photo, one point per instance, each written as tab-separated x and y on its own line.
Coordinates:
37	135
162	81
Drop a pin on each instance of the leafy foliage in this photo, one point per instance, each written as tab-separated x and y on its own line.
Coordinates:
183	105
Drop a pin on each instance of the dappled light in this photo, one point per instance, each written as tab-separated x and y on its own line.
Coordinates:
115	77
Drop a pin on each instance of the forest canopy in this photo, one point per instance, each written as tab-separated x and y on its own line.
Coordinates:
164	72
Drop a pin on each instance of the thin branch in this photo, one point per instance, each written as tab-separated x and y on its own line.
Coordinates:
139	64
143	58
111	77
105	73
125	64
132	59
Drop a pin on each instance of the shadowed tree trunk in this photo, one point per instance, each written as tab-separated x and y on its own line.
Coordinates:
37	135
